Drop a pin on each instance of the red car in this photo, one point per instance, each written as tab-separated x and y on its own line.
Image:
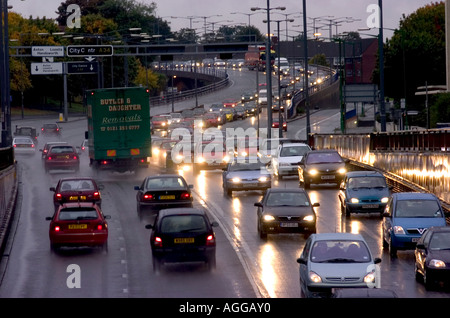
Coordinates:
276	123
230	102
78	225
76	190
62	157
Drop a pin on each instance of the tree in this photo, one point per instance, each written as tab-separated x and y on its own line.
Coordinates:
416	54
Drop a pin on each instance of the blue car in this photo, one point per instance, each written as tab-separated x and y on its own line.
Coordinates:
363	192
407	216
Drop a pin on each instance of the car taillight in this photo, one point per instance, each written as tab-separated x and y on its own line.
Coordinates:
57	228
75	157
96	195
185	195
101	226
148	196
42	129
158	241
210	240
58	196
49	158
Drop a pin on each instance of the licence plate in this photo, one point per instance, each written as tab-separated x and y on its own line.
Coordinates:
288	224
77	226
75	198
167	197
183	240
327	177
415	239
252	184
370	206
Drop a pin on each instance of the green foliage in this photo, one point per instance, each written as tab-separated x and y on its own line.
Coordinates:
439	109
416	54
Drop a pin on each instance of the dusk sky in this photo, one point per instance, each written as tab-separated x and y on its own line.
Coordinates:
327	9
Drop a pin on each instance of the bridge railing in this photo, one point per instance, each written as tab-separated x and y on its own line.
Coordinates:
412	168
218	77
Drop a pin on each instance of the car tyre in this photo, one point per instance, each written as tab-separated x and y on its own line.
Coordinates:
262	234
157	264
211	263
392	249
427	281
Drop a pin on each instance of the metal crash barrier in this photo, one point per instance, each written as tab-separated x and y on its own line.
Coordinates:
8	192
410	160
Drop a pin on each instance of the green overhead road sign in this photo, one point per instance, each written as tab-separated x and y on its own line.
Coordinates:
89	50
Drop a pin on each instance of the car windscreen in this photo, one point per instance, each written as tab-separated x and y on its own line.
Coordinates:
77	185
239	165
165	183
440	241
340	251
329	157
366	182
293	151
183	224
70	214
417	209
62	149
287	199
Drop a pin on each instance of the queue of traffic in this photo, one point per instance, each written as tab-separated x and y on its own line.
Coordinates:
181	232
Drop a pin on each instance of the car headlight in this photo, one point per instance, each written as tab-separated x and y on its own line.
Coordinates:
226	159
342	171
384	200
236	180
354	200
314	277
370	277
437	263
398	230
268	218
200	160
313	172
263	179
309	218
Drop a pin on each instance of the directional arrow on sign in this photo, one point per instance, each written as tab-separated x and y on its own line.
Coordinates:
90	58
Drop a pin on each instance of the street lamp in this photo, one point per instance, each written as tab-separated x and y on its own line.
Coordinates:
268	66
6	138
280	117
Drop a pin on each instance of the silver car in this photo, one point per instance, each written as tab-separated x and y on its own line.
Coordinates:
336	260
246	173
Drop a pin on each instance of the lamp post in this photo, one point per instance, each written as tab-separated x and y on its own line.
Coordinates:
280	117
381	57
305	48
268	66
6	139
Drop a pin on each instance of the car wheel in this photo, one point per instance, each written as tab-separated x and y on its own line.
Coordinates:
262	234
418	276
53	248
427	280
306	184
157	263
211	263
392	249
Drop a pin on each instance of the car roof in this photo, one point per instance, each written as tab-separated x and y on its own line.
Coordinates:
165	175
439	229
284	190
323	150
180	211
294	144
78	205
363	173
414	195
337	236
76	178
